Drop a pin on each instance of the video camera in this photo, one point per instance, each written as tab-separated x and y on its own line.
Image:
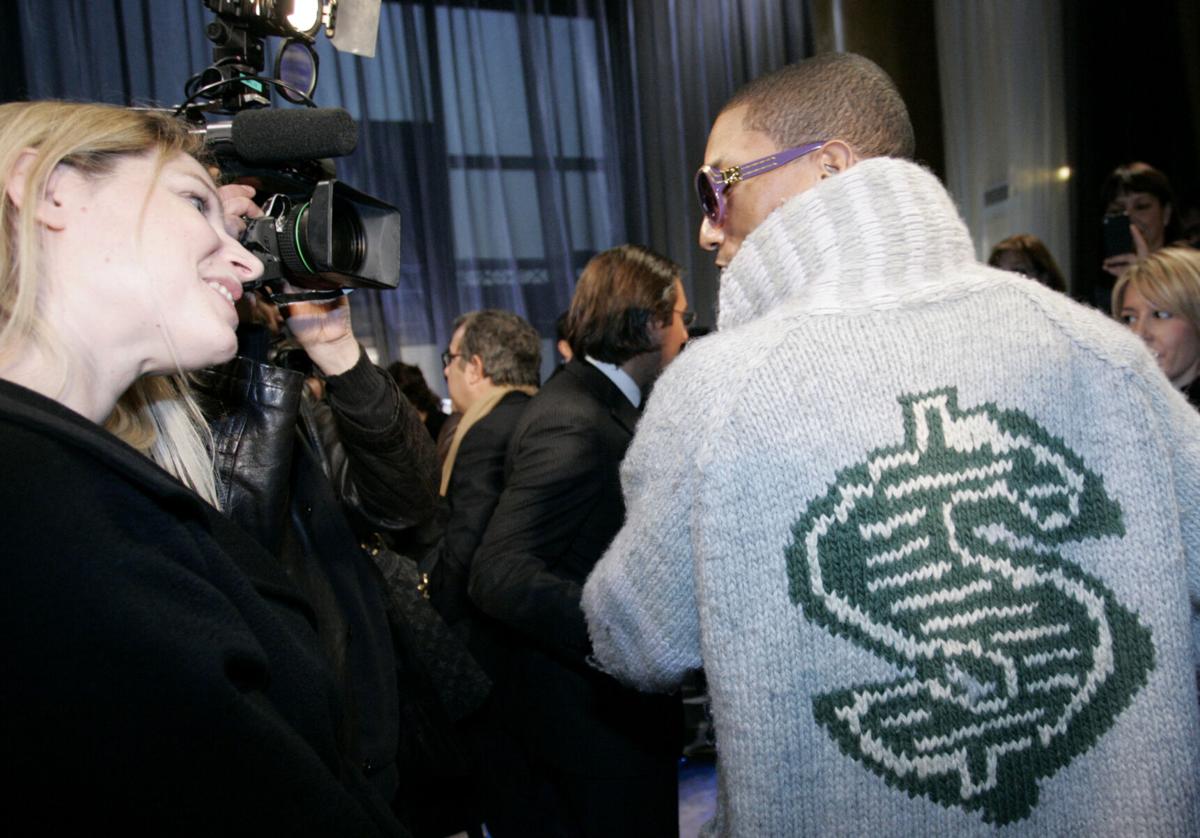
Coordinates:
317	233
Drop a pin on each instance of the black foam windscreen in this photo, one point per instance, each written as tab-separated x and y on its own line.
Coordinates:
275	135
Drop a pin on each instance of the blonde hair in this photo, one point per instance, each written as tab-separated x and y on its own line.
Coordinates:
157	414
1169	278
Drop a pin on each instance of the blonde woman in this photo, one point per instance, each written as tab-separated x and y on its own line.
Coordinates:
1158	297
161	673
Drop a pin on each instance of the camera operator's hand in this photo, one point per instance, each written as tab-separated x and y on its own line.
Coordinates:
237	203
1117	265
325	332
322	329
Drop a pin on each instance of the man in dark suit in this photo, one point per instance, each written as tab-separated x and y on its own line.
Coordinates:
592	757
492	368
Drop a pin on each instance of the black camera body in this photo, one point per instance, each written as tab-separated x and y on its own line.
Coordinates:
335	237
316	233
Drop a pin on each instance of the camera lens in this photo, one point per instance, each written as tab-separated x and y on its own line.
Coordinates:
303	239
331	237
349	244
294	249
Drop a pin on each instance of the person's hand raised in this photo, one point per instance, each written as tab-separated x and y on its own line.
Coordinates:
1117	265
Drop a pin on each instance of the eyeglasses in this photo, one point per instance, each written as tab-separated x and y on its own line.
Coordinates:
449	356
711	184
688	317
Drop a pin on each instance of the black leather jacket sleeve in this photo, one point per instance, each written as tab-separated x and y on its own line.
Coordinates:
383	464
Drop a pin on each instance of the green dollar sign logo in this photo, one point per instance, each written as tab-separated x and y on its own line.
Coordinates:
942	556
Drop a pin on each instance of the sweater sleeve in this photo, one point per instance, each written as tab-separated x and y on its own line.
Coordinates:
1183	439
640	599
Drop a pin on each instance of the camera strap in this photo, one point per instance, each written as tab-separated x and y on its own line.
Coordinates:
282	299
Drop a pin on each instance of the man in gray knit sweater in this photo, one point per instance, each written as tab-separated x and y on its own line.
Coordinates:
933	531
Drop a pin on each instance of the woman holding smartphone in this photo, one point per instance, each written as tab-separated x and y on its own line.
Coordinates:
161	672
1138	215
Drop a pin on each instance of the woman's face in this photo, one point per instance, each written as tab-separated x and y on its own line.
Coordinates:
1147	213
148	268
1174	340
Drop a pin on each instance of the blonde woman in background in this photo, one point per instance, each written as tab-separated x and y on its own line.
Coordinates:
1158	297
161	672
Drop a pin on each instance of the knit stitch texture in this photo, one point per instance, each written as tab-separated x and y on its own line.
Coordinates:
932	530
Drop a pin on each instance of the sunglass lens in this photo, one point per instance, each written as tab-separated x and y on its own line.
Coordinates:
709	202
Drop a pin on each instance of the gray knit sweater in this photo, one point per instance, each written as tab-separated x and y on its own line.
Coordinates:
932	530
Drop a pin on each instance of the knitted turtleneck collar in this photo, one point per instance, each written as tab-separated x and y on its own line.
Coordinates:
881	234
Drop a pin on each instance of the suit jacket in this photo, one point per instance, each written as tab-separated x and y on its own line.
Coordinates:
560	508
474	490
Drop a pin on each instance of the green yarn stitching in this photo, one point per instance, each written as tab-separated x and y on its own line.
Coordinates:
939	555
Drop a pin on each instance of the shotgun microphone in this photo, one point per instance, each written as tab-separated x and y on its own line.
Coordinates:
282	135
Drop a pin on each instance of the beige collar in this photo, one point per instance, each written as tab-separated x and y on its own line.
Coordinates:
481	408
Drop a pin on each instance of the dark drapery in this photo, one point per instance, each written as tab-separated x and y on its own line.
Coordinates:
517	138
680	61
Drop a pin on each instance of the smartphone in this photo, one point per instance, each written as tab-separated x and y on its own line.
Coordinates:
1117	238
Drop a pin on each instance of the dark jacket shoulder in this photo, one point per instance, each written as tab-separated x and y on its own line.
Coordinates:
149	677
496	428
474	489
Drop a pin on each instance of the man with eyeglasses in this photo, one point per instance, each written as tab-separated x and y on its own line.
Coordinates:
492	368
589	757
932	531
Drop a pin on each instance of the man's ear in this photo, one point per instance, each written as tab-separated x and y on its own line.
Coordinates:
834	157
475	370
50	208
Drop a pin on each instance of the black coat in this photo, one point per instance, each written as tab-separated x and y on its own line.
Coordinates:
161	673
474	489
560	508
292	472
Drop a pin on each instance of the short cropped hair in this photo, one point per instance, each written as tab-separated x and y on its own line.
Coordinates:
510	348
839	96
620	294
1169	278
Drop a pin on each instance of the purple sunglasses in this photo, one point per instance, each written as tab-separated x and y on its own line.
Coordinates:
711	184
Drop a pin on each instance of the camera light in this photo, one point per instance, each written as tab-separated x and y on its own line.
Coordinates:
305	16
